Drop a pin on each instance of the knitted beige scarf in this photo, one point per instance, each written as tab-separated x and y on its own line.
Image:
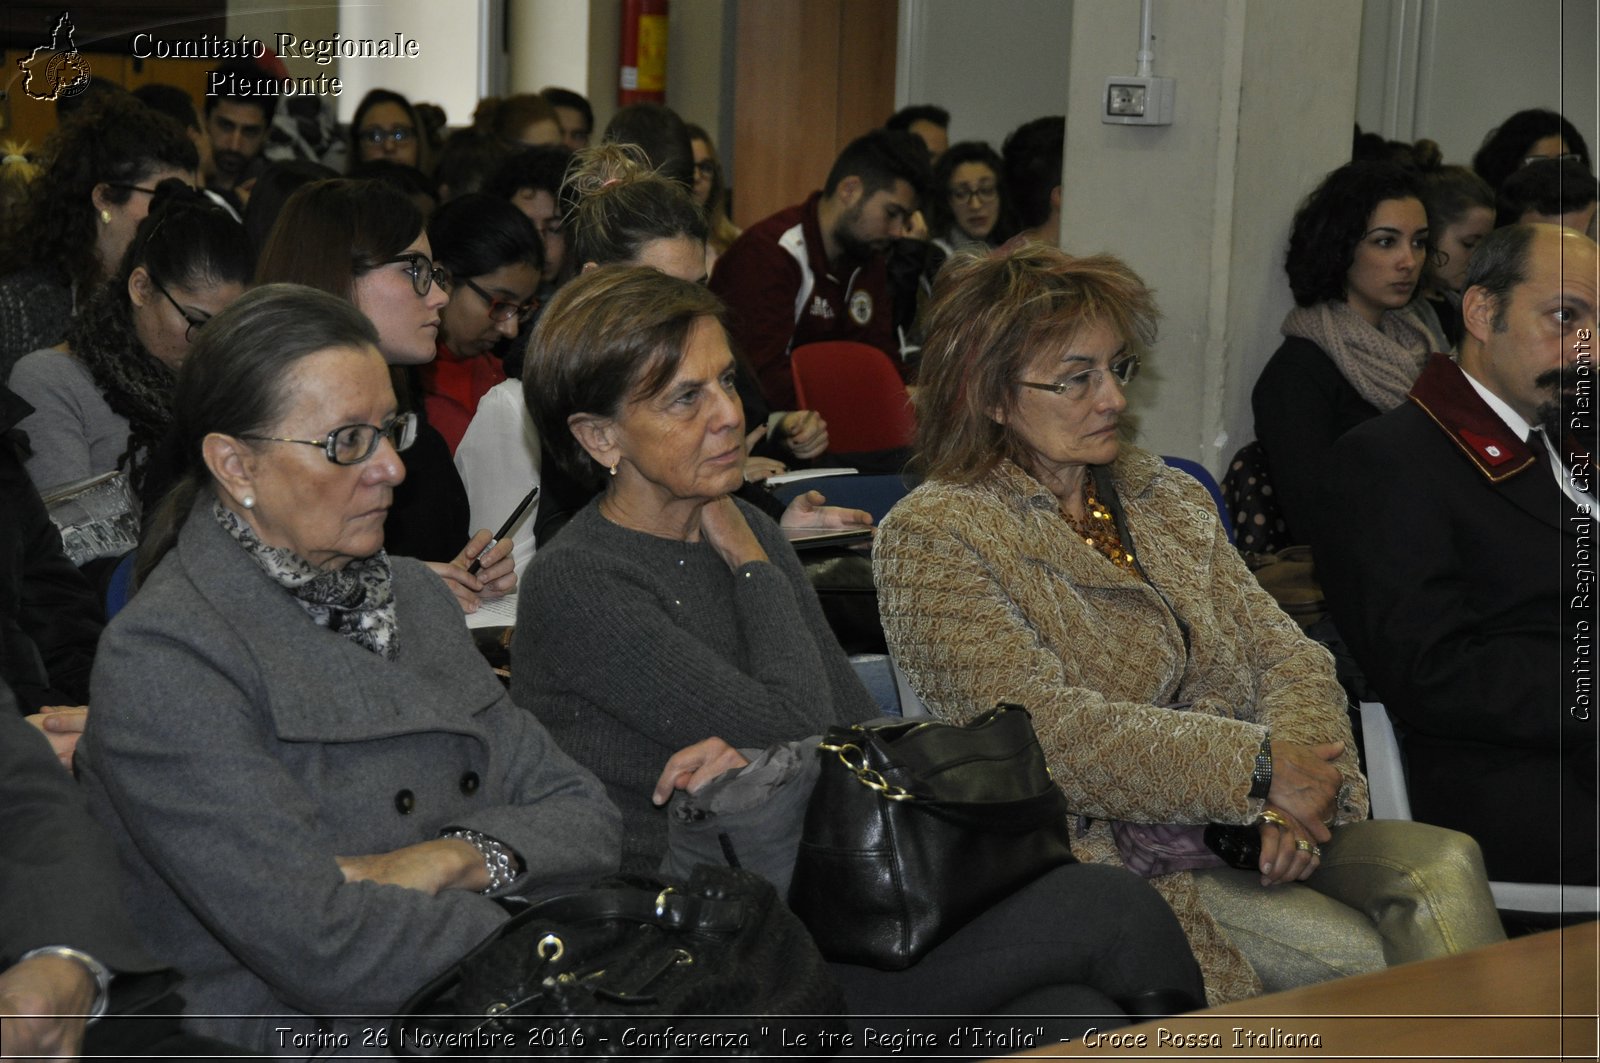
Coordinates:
1380	363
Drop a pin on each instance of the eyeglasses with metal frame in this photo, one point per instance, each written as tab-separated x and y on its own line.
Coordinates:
1079	385
352	444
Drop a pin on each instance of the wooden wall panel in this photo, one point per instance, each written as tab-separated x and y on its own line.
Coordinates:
30	120
809	77
867	50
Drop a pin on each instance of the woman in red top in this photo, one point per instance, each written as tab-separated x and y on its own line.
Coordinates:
495	259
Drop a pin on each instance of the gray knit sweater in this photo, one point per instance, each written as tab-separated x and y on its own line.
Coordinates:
73	430
630	647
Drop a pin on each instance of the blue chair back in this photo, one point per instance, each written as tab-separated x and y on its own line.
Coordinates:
1201	473
117	589
877	675
875	494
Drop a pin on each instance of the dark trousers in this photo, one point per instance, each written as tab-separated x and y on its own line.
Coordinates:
1076	948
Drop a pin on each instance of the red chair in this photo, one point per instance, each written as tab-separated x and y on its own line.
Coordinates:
857	391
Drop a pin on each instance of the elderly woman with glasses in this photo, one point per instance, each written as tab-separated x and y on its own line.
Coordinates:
365	242
317	787
1043	562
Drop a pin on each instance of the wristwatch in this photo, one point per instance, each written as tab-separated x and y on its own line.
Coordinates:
102	976
497	857
1261	777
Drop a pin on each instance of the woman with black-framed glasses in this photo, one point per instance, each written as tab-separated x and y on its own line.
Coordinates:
968	210
365	241
103	399
495	258
316	786
385	127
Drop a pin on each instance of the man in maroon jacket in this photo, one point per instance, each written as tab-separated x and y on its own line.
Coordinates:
816	271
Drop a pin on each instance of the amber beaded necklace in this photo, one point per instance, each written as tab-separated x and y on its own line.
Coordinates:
1098	529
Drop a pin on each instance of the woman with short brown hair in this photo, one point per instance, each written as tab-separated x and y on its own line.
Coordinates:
671	622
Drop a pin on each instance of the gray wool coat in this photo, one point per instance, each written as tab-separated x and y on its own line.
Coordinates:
236	749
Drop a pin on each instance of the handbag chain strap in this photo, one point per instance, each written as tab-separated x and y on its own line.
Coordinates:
852	757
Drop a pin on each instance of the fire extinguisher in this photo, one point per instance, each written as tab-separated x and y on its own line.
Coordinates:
644	52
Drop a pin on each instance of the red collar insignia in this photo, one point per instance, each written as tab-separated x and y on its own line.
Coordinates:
1489	449
1443	393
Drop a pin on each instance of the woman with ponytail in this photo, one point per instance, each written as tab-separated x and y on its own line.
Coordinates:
102	399
624	213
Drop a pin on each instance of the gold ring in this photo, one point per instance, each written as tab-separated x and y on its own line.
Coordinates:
1272	816
1304	846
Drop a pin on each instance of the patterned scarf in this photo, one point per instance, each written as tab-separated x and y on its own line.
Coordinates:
135	383
1380	363
356	601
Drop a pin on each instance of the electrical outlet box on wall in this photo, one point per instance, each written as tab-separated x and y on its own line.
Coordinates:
1133	100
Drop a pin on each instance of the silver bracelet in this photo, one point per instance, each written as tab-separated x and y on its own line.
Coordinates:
497	857
102	976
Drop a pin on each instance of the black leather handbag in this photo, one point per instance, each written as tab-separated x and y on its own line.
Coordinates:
635	968
917	827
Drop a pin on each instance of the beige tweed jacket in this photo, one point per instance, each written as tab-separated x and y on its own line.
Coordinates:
987	594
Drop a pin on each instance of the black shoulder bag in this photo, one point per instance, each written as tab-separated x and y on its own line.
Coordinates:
917	827
633	968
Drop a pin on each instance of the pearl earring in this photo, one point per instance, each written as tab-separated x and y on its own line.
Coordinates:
105	217
614	466
248	501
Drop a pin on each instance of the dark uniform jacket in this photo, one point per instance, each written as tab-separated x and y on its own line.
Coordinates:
1454	569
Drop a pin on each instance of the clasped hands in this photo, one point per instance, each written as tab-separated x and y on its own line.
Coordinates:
1300	805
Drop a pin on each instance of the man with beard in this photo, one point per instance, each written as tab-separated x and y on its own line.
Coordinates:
1460	564
237	126
815	271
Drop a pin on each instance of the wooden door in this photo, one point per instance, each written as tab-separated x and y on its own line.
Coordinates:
809	77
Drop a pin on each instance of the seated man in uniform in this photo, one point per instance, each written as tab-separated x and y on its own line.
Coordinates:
1460	564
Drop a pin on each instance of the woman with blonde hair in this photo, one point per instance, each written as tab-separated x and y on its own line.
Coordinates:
711	190
1044	562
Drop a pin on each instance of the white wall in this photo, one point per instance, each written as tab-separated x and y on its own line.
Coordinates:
1268	91
697	31
452	62
1451	70
549	43
993	64
1201	208
265	19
